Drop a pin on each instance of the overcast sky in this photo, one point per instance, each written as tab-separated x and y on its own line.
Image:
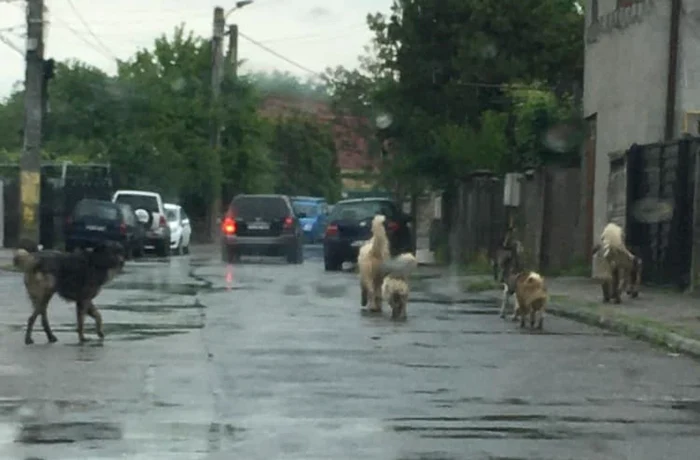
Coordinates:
314	33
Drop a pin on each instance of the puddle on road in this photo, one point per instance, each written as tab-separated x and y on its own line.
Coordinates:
69	432
176	289
151	308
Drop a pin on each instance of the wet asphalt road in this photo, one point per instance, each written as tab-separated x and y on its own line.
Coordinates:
265	360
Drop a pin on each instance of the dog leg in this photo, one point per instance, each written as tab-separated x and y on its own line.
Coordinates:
504	302
533	316
522	319
363	295
30	325
540	320
95	314
47	327
516	309
80	311
605	285
616	286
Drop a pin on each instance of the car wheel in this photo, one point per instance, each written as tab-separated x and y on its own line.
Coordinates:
163	249
180	249
331	263
296	254
229	255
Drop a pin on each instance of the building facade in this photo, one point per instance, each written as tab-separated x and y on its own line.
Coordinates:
641	85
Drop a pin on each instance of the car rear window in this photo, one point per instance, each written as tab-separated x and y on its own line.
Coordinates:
309	208
171	215
148	203
361	210
100	209
251	207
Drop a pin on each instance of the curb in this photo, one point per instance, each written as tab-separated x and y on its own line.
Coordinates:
670	340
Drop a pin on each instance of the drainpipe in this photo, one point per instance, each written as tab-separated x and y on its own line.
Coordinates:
672	83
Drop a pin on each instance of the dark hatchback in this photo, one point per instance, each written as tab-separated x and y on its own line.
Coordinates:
261	225
96	221
349	226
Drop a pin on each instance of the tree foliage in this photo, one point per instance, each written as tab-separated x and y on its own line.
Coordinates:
152	122
447	72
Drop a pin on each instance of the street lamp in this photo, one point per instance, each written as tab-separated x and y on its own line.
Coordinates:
239	4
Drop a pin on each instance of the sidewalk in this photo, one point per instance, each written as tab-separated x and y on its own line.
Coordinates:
662	317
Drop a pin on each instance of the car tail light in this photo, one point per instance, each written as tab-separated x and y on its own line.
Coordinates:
288	222
393	226
332	230
122	228
163	222
228	226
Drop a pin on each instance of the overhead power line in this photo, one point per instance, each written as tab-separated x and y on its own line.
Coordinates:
278	55
89	30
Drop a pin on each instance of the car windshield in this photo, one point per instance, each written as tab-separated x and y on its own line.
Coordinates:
359	210
171	215
252	207
306	207
102	210
148	203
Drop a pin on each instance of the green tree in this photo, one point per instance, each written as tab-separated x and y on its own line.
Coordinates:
306	156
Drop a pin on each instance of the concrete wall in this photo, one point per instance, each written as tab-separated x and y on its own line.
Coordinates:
624	83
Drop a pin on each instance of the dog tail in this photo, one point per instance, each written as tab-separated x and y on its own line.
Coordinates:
24	260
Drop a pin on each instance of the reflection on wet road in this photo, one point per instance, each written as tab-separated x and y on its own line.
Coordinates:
265	360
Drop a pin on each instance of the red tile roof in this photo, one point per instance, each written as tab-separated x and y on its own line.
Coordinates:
351	145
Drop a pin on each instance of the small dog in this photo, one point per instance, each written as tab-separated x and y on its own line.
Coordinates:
369	262
508	258
530	298
395	288
76	277
622	269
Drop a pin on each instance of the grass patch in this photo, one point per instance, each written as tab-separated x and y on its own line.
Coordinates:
481	285
577	269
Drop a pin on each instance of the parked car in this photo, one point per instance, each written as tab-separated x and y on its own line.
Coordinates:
262	225
157	229
349	226
180	229
96	221
136	231
313	215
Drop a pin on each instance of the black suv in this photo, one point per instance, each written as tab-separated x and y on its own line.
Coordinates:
261	225
349	226
95	221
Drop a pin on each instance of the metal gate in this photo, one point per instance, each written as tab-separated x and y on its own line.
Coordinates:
659	211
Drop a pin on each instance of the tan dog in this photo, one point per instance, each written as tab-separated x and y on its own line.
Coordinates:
395	288
622	269
369	262
531	298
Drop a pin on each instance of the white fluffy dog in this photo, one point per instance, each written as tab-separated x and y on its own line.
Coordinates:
622	269
369	263
395	288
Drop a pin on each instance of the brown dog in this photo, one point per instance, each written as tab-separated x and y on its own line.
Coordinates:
76	277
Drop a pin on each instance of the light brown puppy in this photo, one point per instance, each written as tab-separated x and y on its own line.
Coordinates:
531	298
395	287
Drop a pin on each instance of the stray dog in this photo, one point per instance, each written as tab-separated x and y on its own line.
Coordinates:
395	288
369	262
76	277
508	258
530	298
622	269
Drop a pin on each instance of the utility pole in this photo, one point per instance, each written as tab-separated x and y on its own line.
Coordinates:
216	80
233	49
30	162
